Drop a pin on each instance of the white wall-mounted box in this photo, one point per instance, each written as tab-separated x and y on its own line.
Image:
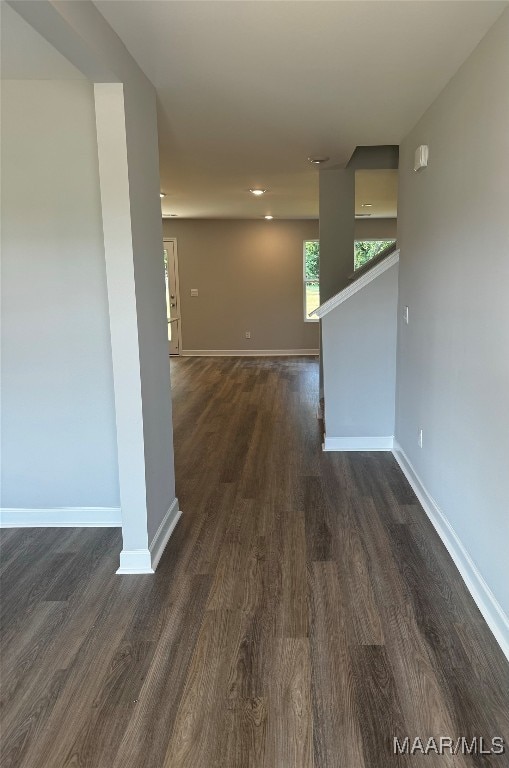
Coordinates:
421	157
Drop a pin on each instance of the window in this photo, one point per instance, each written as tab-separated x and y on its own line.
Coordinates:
311	279
365	250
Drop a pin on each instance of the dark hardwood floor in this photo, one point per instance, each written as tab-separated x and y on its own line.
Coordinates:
304	612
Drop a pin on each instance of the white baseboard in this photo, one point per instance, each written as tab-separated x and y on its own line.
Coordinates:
164	532
249	352
358	443
496	619
134	561
61	517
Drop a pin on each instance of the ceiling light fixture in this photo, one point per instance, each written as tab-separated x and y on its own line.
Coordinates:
269	217
367	205
257	192
318	160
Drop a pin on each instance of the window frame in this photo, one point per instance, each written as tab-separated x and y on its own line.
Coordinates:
307	281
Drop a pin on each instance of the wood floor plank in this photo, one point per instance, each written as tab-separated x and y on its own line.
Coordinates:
363	610
202	708
422	697
389	586
27	731
433	607
243	740
378	708
336	730
148	731
289	721
25	583
235	579
317	517
14	542
290	540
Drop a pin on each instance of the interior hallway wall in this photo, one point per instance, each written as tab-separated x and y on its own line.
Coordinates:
249	275
453	357
58	416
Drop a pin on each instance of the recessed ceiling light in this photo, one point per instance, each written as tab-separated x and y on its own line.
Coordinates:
257	191
367	205
318	160
269	217
162	194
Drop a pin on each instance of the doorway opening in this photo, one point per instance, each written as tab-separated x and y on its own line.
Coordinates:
171	279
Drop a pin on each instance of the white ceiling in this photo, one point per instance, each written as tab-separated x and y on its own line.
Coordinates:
27	55
248	90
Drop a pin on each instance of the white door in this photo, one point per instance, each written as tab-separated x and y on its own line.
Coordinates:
172	295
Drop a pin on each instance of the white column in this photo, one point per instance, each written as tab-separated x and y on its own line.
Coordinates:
118	250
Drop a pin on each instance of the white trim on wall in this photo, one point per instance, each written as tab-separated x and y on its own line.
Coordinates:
135	561
146	560
61	517
249	352
358	443
484	598
163	533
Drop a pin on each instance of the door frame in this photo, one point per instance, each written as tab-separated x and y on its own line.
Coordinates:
177	291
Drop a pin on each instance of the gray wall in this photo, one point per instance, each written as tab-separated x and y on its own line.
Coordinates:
337	229
58	418
359	361
338	226
453	357
250	278
375	229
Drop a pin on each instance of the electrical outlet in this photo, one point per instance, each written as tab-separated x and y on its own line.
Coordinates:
419	439
194	291
248	334
405	315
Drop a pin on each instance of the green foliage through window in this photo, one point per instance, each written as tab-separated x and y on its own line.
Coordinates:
311	277
312	259
365	250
